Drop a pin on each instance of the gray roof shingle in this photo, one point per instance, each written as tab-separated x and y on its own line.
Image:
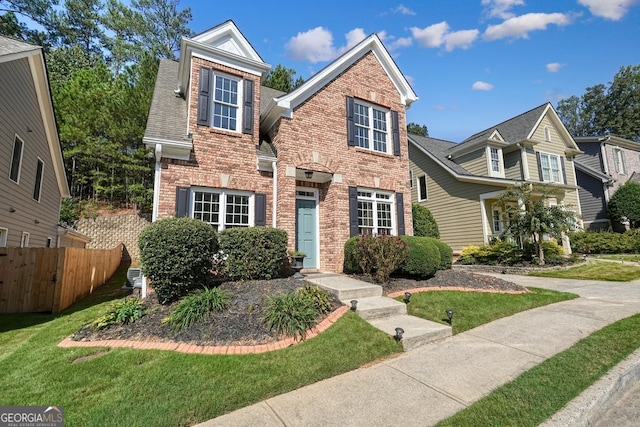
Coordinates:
168	113
10	46
266	95
440	149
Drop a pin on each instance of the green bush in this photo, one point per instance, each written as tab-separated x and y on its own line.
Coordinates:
500	252
195	307
605	242
124	311
446	254
625	202
553	252
176	254
252	253
318	298
424	225
423	257
290	314
379	256
351	263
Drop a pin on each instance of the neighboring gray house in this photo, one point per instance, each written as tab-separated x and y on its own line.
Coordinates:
607	163
32	175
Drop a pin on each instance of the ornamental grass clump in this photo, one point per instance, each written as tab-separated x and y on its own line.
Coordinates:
194	308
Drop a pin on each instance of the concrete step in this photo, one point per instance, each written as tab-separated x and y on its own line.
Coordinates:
417	331
344	287
377	307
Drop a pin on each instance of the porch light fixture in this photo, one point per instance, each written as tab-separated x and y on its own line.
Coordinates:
407	297
449	314
354	304
398	335
308	174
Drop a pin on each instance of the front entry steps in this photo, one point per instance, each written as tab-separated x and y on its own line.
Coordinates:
384	313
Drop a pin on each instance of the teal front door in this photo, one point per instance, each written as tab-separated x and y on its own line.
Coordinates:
307	231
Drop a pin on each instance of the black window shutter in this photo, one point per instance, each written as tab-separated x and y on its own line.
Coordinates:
539	167
396	133
204	97
564	173
261	209
400	213
182	201
353	211
351	126
247	113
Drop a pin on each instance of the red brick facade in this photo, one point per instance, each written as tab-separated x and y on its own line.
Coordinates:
315	139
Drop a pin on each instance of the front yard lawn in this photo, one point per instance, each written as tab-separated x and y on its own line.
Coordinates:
595	270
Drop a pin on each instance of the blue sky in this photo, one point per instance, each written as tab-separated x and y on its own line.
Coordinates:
473	63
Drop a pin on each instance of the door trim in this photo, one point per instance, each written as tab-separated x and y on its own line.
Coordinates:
315	197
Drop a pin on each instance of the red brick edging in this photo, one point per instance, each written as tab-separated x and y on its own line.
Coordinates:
452	288
208	349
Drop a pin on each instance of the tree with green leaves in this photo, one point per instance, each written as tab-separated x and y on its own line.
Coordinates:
423	222
417	129
625	204
282	79
528	213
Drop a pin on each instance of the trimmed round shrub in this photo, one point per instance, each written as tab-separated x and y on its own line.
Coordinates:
176	254
446	254
424	225
625	203
252	253
423	257
351	263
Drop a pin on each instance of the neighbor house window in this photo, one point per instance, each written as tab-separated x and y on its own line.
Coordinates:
38	185
375	212
550	167
497	221
410	178
619	161
16	160
223	209
371	127
24	241
4	233
494	157
422	188
226	102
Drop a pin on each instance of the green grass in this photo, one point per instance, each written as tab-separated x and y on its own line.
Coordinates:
543	390
119	384
620	257
595	270
477	308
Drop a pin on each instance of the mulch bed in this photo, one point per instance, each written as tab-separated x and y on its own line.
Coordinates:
241	323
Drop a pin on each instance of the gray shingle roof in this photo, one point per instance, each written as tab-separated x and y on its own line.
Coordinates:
168	113
440	149
10	46
513	130
266	95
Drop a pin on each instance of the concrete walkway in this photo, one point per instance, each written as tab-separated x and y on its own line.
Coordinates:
430	383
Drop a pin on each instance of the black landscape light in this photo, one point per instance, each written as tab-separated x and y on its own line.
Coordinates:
398	335
449	314
354	304
407	297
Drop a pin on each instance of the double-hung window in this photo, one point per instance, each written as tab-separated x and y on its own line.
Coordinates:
371	127
550	167
494	160
497	221
225	102
223	209
619	161
375	212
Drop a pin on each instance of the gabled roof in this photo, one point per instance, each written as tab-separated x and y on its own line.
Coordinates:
223	44
284	105
594	173
610	139
11	50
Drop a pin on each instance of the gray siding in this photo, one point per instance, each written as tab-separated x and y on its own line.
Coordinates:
513	165
20	114
474	162
591	157
592	200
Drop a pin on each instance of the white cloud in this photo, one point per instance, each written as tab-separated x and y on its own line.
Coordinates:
500	8
460	39
554	67
482	86
316	45
439	107
401	42
608	9
437	35
353	37
404	10
520	26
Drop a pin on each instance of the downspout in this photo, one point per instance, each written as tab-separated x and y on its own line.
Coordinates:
275	193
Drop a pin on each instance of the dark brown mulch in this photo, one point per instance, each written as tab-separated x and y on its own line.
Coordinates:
241	323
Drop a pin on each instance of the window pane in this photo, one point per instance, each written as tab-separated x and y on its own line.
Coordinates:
365	217
384	218
206	207
237	211
225	103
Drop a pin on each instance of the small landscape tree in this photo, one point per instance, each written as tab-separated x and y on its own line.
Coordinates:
625	203
424	225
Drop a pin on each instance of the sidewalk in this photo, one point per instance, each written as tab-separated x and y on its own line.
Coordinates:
433	382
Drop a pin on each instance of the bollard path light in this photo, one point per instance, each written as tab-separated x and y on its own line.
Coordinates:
407	297
398	335
354	304
449	314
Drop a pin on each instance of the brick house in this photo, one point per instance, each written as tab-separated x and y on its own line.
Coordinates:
324	162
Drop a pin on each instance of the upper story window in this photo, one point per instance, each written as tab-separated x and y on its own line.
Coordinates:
547	134
494	159
619	161
16	160
550	167
223	209
225	102
37	188
375	212
422	188
371	129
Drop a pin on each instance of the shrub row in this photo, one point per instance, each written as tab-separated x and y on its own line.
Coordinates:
605	242
504	252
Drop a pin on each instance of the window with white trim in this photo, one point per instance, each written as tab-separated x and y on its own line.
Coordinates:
495	162
550	166
226	101
371	127
223	209
496	218
16	159
619	161
24	241
4	234
49	242
37	188
375	212
422	188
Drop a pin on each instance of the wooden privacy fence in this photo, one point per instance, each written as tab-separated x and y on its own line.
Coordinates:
51	279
